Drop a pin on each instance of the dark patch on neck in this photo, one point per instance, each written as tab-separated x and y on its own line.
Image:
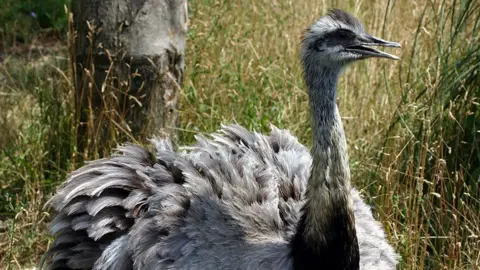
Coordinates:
340	252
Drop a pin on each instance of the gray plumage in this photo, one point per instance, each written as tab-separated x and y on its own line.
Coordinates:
234	200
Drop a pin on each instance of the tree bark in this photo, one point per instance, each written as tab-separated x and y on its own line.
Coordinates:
128	62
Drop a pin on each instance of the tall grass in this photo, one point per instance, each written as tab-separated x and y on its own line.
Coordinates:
412	126
22	22
431	148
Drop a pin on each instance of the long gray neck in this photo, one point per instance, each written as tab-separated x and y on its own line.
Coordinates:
327	227
329	184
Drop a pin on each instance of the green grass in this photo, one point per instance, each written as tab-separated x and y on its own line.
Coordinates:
413	126
27	20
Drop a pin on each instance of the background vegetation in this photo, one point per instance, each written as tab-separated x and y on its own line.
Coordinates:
413	126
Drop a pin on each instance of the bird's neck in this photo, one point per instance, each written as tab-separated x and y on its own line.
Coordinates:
326	234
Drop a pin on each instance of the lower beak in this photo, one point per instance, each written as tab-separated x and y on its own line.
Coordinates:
364	47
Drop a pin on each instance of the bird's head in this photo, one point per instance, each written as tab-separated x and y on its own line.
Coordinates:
339	38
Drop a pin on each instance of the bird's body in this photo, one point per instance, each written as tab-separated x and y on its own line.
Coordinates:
235	200
232	202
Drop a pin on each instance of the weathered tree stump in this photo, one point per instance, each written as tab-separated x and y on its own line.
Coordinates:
128	61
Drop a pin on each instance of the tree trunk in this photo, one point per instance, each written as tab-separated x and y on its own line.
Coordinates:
128	61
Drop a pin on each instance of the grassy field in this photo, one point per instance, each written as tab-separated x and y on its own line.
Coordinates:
413	126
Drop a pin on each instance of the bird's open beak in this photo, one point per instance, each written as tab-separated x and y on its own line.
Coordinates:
363	47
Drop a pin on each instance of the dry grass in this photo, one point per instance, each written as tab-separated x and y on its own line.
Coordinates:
410	125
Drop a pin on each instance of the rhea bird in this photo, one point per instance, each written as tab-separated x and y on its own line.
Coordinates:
237	199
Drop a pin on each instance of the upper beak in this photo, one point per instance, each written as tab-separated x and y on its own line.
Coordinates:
361	47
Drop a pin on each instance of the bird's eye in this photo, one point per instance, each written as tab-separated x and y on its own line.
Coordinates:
344	33
319	44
